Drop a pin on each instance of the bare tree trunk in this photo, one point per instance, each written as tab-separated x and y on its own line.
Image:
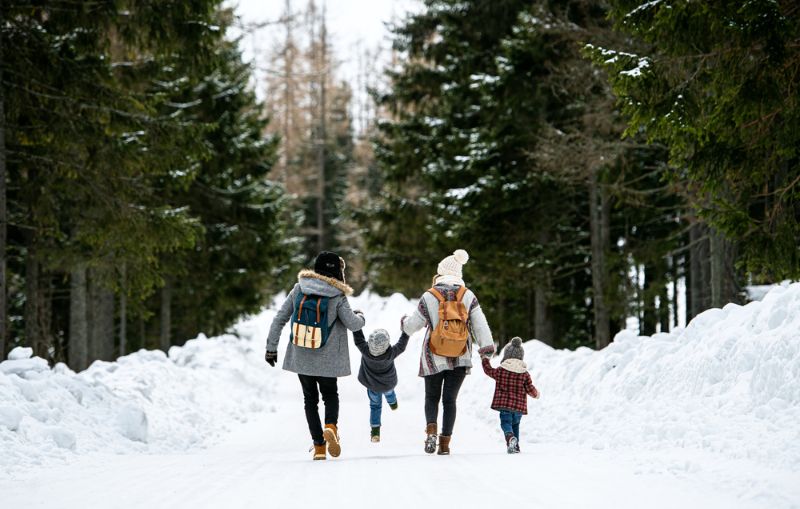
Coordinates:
165	340
322	135
732	288
142	333
699	268
100	318
288	94
663	306
599	210
78	326
105	324
717	248
123	315
3	217
724	286
501	319
530	330
34	335
647	327
543	326
688	262
676	273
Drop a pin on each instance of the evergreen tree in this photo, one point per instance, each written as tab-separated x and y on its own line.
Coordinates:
504	140
119	119
240	259
718	84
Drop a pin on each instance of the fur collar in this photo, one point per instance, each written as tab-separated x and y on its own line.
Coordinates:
514	365
344	287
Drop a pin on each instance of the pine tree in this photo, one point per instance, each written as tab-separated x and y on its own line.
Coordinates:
717	84
504	140
105	141
241	257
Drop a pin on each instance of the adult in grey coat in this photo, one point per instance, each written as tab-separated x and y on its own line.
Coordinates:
319	368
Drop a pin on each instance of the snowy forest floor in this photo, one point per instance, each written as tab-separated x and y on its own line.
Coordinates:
261	458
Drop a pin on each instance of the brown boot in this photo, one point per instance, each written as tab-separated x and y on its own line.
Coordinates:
444	445
430	438
331	435
319	452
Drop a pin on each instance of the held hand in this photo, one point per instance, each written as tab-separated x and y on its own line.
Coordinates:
271	358
358	312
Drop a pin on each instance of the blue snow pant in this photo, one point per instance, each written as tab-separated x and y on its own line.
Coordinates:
376	404
509	422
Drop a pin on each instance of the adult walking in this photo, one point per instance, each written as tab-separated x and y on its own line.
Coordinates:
318	352
454	321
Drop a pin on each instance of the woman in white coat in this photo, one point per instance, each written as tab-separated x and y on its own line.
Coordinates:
444	375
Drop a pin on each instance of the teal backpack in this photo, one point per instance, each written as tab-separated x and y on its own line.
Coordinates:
310	321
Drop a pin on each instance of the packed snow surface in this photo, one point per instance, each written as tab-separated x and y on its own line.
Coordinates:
705	416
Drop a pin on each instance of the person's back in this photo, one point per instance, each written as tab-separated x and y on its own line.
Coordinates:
318	364
444	374
378	373
513	385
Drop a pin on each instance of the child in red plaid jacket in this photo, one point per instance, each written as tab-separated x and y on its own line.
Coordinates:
512	386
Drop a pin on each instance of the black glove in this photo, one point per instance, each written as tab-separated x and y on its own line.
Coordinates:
271	358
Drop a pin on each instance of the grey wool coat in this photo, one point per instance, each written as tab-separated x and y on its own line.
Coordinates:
333	359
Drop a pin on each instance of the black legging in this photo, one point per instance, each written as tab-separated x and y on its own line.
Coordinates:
443	386
330	396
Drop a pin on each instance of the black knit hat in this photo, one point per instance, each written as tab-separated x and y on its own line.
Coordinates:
329	264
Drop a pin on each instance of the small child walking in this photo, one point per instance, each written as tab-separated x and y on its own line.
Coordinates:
378	374
512	384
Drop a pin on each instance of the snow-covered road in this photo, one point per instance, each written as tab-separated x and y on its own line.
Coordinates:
704	417
265	463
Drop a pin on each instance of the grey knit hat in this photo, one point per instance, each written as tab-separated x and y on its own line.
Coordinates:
378	342
514	349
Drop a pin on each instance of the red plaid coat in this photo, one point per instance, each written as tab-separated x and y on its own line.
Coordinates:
511	389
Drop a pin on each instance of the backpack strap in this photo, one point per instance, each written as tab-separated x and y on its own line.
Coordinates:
300	307
459	295
436	293
460	298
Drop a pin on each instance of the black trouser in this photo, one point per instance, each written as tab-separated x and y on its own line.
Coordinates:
443	386
330	396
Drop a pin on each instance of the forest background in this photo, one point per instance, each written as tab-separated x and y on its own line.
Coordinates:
607	164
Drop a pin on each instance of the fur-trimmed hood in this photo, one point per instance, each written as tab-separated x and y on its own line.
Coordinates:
315	284
514	365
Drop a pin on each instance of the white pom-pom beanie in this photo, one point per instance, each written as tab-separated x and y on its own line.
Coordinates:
451	265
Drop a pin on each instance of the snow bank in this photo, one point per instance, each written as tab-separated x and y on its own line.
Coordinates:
728	383
144	402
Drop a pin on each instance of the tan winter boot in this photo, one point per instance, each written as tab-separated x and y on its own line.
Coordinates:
331	435
430	438
319	452
444	445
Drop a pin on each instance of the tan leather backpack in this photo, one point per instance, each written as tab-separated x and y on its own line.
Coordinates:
449	337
